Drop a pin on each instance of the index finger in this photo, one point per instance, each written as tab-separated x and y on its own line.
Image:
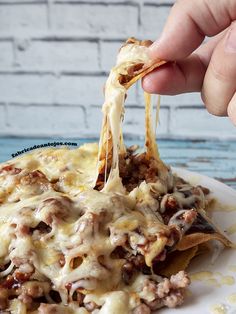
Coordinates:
188	24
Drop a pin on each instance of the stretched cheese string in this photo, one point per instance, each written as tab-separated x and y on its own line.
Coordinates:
150	142
111	140
107	134
113	110
158	105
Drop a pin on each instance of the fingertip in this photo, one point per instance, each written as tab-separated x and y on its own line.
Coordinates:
166	80
149	85
153	50
175	77
161	49
156	81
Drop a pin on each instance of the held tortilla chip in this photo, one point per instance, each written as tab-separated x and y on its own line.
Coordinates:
143	72
138	70
127	77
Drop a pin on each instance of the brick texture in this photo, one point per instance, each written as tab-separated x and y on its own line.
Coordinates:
95	18
26	88
2	118
18	17
109	51
85	90
55	56
47	89
58	55
60	120
153	20
6	54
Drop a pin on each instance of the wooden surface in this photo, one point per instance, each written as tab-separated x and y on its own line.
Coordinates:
216	159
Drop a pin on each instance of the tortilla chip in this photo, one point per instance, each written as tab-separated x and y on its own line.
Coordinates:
203	249
180	260
105	146
176	261
144	72
194	239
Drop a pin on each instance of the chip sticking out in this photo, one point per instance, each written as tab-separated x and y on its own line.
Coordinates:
176	261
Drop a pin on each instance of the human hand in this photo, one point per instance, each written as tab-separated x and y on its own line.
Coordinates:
210	68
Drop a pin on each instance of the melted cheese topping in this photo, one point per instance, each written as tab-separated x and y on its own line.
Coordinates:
85	225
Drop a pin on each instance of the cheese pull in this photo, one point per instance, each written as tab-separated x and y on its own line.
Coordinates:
133	62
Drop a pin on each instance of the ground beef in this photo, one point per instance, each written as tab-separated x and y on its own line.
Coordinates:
10	169
35	289
55	210
3	299
133	169
169	292
34	177
142	309
137	168
133	264
33	183
189	216
173	299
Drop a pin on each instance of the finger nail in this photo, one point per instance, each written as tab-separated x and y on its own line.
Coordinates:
230	45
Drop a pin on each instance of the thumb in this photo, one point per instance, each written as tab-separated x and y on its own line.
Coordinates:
188	24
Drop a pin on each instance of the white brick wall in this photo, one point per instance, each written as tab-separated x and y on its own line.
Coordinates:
6	54
153	19
3	121
95	18
18	16
58	55
54	59
56	120
108	52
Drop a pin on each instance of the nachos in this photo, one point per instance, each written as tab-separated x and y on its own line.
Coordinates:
101	229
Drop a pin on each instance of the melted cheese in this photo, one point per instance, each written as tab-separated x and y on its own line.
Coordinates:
82	227
81	220
113	107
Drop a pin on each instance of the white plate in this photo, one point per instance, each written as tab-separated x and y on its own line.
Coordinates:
205	296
